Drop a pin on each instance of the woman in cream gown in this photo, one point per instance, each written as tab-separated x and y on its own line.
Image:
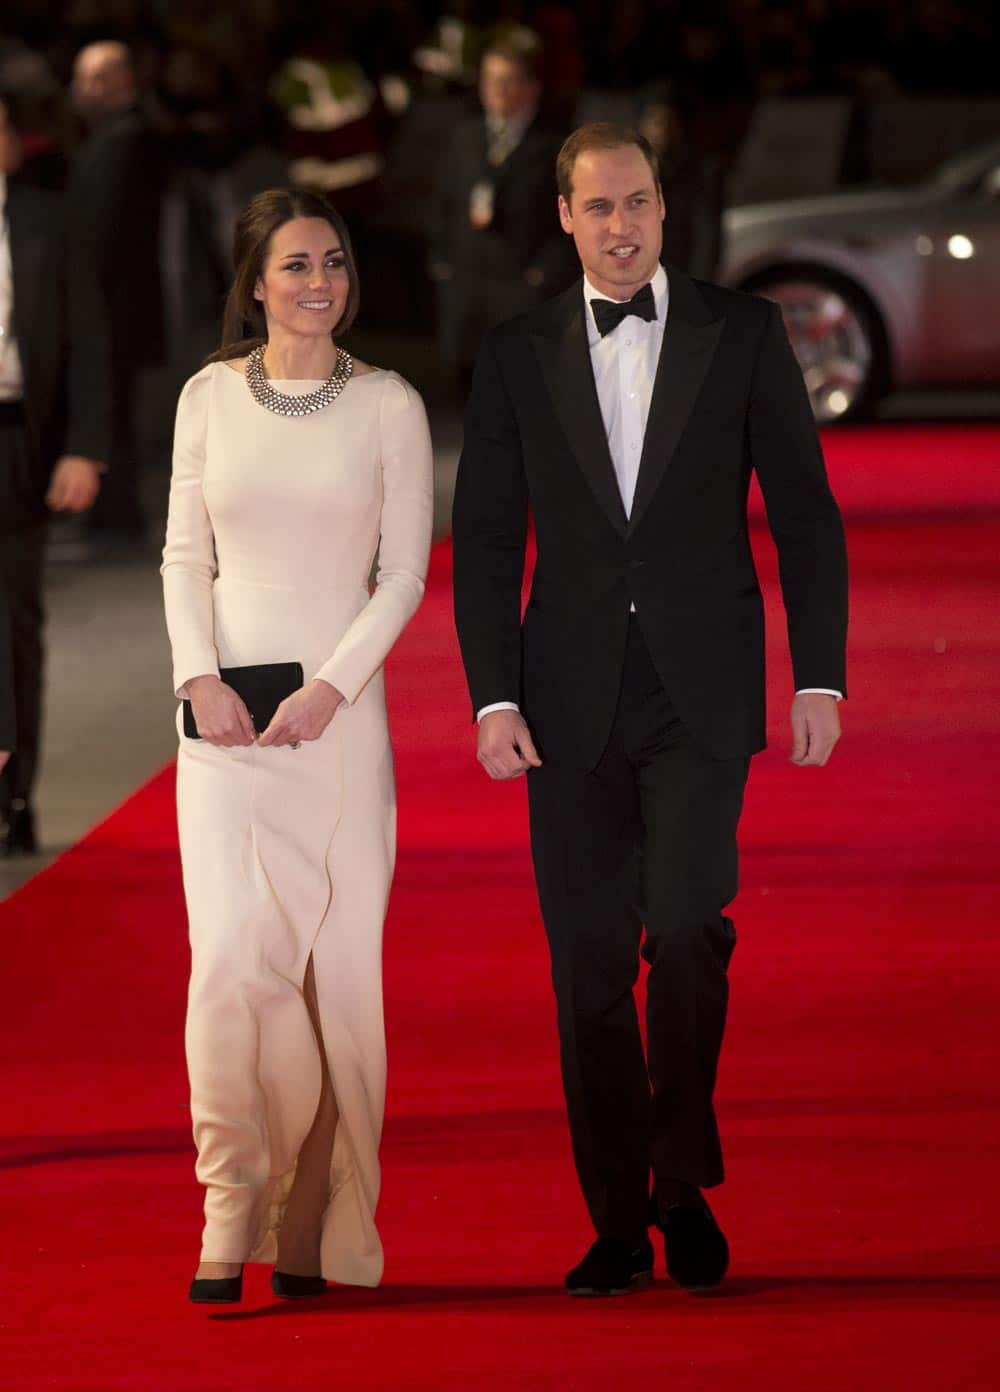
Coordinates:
288	835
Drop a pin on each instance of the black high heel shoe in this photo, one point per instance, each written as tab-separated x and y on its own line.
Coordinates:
289	1287
223	1290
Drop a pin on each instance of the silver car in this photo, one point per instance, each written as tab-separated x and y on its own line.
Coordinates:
885	288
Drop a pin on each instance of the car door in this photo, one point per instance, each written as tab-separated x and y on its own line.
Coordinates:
962	243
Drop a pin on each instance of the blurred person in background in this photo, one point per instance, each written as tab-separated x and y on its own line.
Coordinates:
54	392
220	152
693	187
116	189
495	245
47	121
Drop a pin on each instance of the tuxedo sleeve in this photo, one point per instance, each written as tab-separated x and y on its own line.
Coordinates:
489	529
88	430
802	514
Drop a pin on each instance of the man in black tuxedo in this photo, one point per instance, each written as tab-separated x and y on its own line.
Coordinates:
628	414
494	247
53	428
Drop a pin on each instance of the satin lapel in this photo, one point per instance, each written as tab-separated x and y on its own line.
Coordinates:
690	338
565	362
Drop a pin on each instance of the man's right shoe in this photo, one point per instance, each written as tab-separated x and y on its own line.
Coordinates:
613	1266
696	1248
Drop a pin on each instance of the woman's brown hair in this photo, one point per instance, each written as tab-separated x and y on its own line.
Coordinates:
243	323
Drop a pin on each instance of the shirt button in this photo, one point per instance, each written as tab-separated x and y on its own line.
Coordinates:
634	446
628	343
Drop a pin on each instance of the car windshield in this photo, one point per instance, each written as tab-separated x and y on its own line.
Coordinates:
965	169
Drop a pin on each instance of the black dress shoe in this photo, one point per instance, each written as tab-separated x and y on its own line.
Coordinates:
696	1247
224	1290
286	1286
18	836
613	1266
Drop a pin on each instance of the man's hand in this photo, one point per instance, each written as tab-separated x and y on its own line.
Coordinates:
4	756
219	713
304	715
506	749
815	728
74	484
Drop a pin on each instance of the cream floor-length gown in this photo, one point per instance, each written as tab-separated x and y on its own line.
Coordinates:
273	527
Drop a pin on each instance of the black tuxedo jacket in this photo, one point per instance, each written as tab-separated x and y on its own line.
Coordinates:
60	325
728	399
525	231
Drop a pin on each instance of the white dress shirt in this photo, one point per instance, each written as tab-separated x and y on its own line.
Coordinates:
624	362
11	376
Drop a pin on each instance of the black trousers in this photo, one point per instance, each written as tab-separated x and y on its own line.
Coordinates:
646	840
22	549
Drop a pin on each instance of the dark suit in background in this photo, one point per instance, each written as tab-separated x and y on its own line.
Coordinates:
8	724
116	190
59	327
645	720
489	273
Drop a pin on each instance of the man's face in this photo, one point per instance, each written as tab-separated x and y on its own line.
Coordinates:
615	215
505	90
10	145
102	81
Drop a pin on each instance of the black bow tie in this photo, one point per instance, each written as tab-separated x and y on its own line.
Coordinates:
608	314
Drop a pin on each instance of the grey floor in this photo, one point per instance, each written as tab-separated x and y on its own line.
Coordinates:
109	706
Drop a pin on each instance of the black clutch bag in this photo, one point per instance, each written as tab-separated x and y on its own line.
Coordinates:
262	688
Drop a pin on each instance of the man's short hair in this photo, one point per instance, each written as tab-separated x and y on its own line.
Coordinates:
600	135
522	47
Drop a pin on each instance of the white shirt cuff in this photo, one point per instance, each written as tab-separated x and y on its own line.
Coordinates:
804	691
497	705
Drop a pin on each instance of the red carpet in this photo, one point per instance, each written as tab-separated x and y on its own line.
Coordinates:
858	1089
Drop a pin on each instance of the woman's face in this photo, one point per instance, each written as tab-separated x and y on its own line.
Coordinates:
304	283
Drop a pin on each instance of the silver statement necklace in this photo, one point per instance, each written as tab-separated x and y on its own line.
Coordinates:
283	405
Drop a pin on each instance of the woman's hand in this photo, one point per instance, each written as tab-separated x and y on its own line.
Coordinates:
304	715
221	716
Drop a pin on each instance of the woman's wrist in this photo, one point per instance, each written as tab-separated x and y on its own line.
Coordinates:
330	687
193	683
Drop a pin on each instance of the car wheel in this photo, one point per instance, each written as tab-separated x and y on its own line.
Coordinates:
837	337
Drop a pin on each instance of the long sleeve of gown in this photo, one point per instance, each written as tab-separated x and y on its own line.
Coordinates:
189	564
404	548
